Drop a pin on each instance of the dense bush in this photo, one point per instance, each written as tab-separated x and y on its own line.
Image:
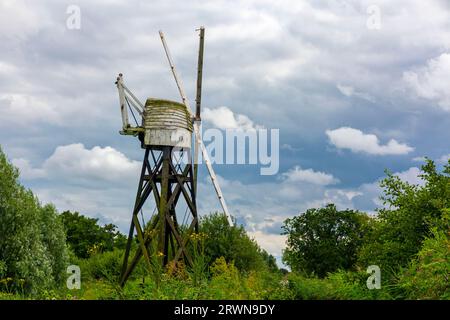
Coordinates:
85	237
412	212
32	241
428	275
267	285
225	281
339	285
105	265
324	240
309	288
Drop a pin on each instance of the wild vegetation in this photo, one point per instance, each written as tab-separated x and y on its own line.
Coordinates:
328	251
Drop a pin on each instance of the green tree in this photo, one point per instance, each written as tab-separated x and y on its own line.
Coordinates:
32	244
85	237
324	240
411	212
232	243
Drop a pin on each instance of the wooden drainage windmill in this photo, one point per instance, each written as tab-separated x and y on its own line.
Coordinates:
166	129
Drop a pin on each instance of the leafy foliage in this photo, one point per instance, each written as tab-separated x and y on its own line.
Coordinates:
233	244
106	266
225	282
339	285
428	275
85	237
412	211
199	260
32	240
54	239
324	240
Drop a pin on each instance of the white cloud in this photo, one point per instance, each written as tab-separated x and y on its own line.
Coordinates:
112	201
18	19
444	159
349	91
411	176
298	174
432	81
102	163
419	159
224	118
27	172
264	206
22	109
368	194
350	194
96	181
75	162
346	90
7	68
249	26
287	146
272	243
357	141
365	197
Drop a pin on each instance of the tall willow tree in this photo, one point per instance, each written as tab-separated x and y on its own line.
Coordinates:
33	252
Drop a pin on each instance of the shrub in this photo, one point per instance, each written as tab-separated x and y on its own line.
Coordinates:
266	285
225	282
350	285
106	265
231	243
428	275
339	285
305	288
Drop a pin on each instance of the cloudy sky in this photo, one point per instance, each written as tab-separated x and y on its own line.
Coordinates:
354	87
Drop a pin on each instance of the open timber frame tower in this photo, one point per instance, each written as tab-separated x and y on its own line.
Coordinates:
167	181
